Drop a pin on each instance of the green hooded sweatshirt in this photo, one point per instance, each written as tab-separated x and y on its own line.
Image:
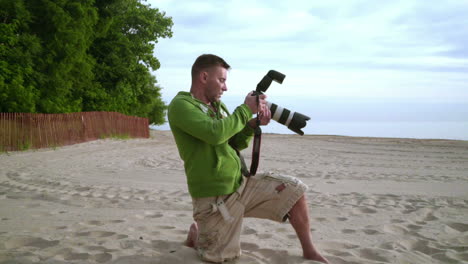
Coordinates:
206	140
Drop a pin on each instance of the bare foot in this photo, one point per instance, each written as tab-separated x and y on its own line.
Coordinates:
192	236
317	257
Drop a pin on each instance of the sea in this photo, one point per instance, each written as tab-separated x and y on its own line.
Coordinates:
370	117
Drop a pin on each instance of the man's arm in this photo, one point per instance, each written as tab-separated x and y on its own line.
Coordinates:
192	120
241	140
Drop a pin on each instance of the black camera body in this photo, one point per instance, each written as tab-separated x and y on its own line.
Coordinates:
293	120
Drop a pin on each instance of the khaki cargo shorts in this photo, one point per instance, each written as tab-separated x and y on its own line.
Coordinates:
265	196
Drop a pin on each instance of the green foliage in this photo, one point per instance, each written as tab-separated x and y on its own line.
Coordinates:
115	136
128	31
60	56
25	145
18	50
66	28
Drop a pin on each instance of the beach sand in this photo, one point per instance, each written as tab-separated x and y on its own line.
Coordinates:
371	200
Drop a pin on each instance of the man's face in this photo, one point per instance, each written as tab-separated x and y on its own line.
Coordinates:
215	83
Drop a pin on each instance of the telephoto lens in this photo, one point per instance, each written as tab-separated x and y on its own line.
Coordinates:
293	120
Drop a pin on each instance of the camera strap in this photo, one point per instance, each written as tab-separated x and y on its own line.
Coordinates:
255	149
256	143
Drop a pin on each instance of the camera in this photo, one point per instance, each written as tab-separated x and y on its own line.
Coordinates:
292	120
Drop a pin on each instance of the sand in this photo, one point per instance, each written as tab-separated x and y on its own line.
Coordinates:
371	200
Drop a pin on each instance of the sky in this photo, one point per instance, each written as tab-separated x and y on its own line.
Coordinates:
355	58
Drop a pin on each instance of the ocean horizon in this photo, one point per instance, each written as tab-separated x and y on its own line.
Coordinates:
416	130
358	117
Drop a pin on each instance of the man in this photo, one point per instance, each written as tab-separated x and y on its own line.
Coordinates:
208	139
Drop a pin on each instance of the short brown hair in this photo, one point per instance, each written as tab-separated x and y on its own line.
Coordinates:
207	61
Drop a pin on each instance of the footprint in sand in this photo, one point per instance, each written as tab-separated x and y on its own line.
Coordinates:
249	246
447	257
252	253
371	231
97	234
138	228
423	246
97	248
265	236
282	230
338	253
365	210
117	221
414	227
76	256
395	229
396	221
426	215
320	219
82	189
93	223
165	245
339	245
430	217
153	215
101	257
166	227
249	231
82	234
180	232
377	254
111	195
33	205
27	241
348	231
460	227
101	234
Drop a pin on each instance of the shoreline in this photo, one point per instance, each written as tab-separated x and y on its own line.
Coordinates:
385	129
333	135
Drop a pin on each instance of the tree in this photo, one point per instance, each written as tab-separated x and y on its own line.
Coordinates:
66	30
60	56
127	31
18	50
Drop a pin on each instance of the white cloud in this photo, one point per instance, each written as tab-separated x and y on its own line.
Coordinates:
360	48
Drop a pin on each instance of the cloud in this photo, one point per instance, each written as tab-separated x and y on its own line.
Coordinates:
359	47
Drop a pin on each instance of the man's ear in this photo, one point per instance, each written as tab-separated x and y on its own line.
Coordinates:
203	76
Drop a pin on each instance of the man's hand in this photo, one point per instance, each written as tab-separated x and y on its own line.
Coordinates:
264	116
251	102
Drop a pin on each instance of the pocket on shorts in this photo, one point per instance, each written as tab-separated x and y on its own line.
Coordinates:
281	178
203	208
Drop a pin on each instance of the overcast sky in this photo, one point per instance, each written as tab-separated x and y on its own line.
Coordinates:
415	50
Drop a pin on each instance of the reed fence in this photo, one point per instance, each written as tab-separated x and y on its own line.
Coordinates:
20	131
